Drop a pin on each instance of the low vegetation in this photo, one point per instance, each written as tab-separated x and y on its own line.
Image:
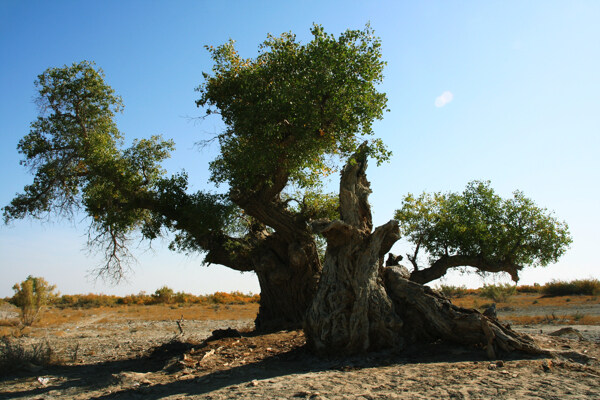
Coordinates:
498	293
166	304
589	287
15	356
164	295
553	319
455	292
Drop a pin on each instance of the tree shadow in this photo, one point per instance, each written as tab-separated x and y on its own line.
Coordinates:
98	377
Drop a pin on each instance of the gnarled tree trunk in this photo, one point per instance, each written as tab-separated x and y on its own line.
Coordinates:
360	306
288	276
351	311
428	316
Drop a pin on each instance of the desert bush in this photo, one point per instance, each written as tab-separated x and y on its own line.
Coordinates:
232	298
183	298
14	356
163	295
31	296
535	288
138	299
89	300
452	291
590	287
498	293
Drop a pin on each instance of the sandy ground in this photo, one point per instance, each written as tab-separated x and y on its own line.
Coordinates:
152	360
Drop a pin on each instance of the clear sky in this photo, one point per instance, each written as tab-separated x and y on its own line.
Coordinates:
507	91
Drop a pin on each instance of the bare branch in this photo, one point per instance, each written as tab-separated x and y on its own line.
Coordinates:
413	258
117	257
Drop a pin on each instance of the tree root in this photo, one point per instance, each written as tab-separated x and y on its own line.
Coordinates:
429	316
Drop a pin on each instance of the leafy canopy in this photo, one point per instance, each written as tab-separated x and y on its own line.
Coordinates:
479	223
76	154
295	107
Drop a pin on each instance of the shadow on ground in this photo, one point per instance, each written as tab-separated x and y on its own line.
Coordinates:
158	377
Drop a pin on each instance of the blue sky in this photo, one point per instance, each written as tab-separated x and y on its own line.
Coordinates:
521	83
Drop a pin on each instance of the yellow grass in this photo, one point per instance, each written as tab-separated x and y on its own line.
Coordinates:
573	319
54	317
521	300
157	312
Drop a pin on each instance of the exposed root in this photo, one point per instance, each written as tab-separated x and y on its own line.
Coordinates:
430	316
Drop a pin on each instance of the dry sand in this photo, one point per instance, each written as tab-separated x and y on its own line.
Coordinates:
120	360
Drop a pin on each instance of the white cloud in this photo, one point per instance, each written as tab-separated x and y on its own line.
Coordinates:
444	99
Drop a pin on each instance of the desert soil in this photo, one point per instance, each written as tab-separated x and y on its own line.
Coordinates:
136	359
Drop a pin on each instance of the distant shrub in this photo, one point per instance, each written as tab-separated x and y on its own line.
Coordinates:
452	291
232	298
590	287
535	288
183	298
498	293
136	299
31	296
163	295
89	300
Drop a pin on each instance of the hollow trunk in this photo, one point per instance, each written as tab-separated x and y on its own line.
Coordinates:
360	306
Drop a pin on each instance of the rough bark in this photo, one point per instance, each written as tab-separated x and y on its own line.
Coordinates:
351	311
286	261
288	276
429	316
360	306
443	264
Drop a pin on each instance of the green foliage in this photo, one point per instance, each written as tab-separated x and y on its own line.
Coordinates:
498	293
536	288
292	114
89	300
294	107
74	149
479	223
189	215
453	292
163	295
31	296
590	287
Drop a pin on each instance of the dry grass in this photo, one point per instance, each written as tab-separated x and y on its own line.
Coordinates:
521	300
573	319
56	317
15	356
577	287
157	312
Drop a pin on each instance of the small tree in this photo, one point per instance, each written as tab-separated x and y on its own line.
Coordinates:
163	295
31	296
477	228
